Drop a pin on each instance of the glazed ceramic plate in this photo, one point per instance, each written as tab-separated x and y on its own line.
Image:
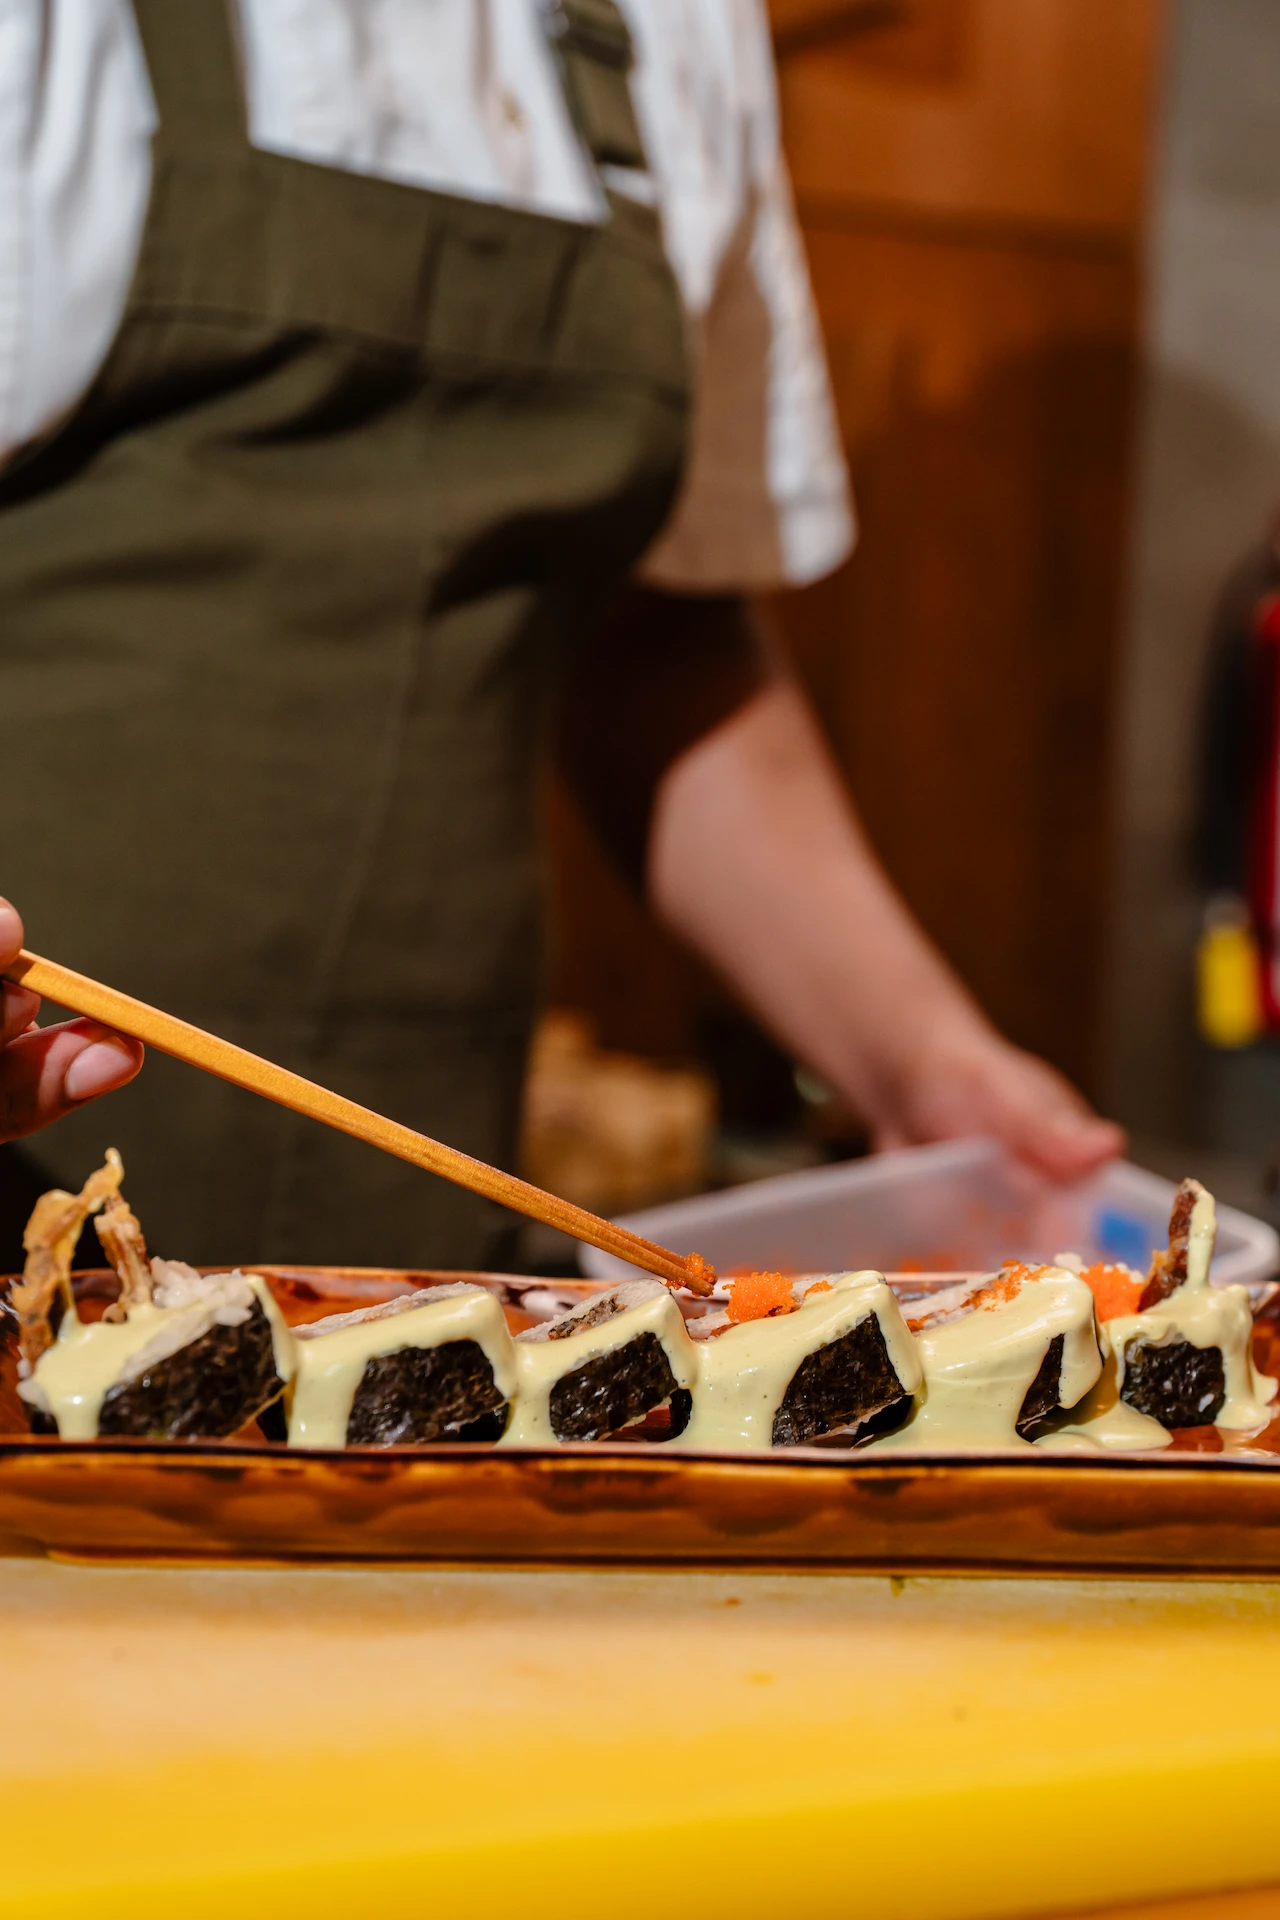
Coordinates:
1210	1505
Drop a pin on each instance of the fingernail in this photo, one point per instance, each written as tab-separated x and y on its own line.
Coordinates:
96	1070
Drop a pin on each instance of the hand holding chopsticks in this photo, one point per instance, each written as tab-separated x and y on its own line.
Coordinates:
46	1072
243	1069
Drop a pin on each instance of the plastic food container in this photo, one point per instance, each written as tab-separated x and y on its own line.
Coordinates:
962	1206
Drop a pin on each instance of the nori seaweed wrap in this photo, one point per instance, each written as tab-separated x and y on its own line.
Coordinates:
1044	1396
209	1387
605	1366
435	1365
841	1384
1177	1384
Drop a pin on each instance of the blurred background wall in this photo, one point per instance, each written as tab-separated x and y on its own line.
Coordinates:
1208	485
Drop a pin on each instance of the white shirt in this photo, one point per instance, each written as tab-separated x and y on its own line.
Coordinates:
461	96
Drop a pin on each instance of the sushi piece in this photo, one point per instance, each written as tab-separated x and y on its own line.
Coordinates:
603	1366
1102	1419
998	1361
179	1356
434	1365
788	1361
1182	1354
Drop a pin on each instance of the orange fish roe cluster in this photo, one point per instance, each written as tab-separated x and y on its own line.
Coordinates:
1007	1285
819	1286
701	1275
1115	1290
757	1296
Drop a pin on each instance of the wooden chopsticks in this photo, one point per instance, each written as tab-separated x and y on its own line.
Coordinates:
243	1069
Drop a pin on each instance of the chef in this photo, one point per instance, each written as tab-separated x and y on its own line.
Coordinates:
377	378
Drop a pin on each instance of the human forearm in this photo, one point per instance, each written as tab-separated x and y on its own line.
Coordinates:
756	859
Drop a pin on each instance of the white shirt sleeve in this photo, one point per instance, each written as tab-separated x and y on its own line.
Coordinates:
765	500
76	118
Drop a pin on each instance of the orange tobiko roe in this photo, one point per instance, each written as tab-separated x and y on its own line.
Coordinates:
755	1296
819	1286
1115	1290
701	1273
1007	1285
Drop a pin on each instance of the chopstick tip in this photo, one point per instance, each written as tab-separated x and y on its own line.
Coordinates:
700	1275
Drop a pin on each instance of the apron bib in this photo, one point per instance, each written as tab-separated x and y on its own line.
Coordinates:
285	606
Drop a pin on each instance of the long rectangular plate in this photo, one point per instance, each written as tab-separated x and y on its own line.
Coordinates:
1189	1511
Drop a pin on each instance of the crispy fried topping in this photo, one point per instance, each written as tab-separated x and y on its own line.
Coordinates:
121	1236
1169	1268
50	1242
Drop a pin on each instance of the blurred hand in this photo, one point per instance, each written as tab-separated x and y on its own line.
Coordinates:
46	1071
969	1080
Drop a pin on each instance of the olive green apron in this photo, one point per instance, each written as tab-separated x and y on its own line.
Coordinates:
283	611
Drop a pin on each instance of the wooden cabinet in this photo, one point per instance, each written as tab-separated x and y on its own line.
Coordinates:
1025	115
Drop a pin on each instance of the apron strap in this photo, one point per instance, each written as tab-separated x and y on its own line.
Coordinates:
196	70
197	74
593	46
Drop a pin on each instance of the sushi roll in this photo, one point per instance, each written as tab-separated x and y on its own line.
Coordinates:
603	1366
434	1365
999	1360
788	1362
179	1356
1181	1353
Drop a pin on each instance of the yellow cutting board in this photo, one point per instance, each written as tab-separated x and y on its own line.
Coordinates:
544	1745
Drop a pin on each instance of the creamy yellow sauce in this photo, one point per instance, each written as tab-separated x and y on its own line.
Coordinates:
976	1367
73	1377
541	1362
332	1354
744	1373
